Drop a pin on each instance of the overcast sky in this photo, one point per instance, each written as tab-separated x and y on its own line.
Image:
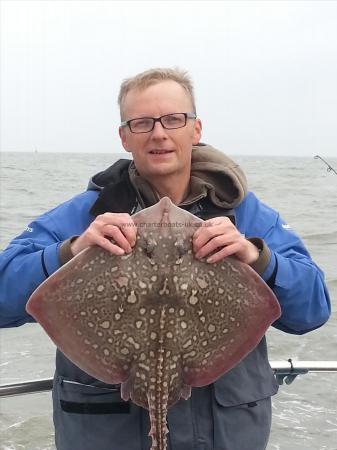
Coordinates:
265	72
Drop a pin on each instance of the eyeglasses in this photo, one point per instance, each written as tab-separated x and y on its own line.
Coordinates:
169	122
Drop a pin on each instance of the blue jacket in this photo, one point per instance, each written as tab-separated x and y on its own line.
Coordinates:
34	254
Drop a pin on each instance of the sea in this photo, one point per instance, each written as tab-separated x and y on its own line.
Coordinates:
305	194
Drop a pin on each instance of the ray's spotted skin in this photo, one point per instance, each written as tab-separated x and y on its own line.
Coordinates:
156	320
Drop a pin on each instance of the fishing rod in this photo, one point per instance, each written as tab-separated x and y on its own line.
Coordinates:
285	371
329	167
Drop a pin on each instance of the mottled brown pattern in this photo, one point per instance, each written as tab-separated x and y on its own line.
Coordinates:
157	320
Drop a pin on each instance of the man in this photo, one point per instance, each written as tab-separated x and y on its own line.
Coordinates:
160	128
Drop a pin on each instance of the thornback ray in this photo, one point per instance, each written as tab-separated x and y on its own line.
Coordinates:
156	320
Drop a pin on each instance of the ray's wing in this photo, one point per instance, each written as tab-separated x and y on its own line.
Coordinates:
87	308
225	309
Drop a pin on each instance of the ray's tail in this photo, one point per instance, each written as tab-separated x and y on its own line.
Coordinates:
158	411
158	394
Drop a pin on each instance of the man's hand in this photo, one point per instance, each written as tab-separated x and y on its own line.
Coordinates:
219	237
108	227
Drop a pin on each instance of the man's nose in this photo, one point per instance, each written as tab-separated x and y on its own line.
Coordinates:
158	130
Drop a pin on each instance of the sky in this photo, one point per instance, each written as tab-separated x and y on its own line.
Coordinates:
265	72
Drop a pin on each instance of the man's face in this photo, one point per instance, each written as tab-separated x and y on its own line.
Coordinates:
160	152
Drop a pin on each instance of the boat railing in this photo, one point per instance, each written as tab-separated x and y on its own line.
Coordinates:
285	371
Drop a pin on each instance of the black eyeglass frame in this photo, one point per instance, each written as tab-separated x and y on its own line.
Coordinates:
158	119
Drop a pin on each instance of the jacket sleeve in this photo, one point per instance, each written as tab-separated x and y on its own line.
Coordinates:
34	255
298	283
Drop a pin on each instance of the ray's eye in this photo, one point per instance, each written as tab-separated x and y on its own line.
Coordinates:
149	247
181	247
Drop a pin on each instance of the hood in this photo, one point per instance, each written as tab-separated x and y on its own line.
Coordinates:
213	174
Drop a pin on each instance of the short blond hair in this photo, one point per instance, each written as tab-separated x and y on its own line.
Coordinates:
153	76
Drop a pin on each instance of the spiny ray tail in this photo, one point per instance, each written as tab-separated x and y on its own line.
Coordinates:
158	413
158	395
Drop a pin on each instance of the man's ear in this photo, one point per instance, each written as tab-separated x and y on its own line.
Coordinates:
122	135
197	131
